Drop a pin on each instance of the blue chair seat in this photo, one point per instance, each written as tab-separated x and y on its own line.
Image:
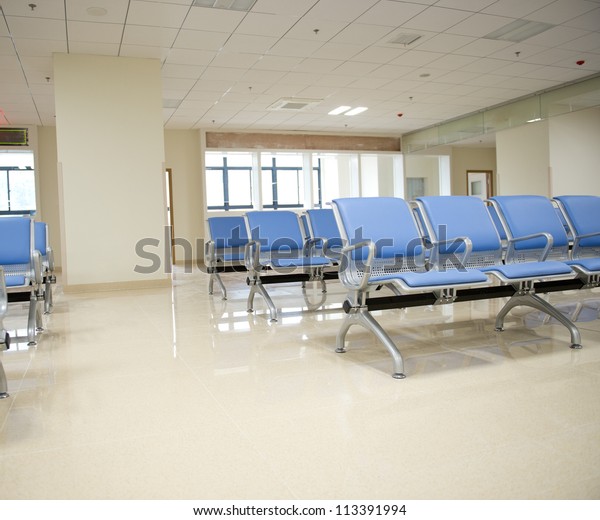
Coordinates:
15	281
441	278
314	261
530	270
589	264
231	257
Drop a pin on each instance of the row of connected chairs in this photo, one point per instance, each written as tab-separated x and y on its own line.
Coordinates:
26	273
273	247
446	249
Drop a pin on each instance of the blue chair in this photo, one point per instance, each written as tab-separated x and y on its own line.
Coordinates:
42	244
582	215
277	244
22	268
385	248
525	263
324	230
4	336
225	249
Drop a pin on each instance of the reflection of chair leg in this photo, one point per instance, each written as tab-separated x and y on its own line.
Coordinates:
533	300
3	346
3	384
361	316
32	319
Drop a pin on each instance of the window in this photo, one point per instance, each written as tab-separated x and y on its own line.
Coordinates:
228	181
17	182
282	180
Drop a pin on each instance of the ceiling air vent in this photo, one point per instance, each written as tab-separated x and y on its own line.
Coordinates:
405	39
294	104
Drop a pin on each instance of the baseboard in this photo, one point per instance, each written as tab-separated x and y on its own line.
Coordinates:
117	286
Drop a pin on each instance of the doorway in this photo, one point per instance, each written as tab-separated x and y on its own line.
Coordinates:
479	183
170	213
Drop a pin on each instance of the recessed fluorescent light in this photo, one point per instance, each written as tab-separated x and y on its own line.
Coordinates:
355	111
232	5
534	120
518	31
339	110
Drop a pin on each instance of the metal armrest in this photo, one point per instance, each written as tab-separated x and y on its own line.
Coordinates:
209	252
37	267
346	250
50	259
309	245
549	243
252	255
465	240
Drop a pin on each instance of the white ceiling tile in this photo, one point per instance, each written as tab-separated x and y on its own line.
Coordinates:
317	65
265	24
116	11
589	43
590	21
355	68
36	28
340	9
452	61
8	62
517	69
235	60
7	47
416	58
457	76
200	40
313	29
445	43
299	78
436	19
147	35
249	43
283	7
479	25
379	54
557	36
482	47
104	49
159	15
552	56
516	8
528	84
553	73
390	71
293	47
143	51
370	82
170	70
465	5
190	57
361	34
337	51
561	11
207	19
485	65
282	63
390	13
524	51
262	76
95	32
44	9
222	73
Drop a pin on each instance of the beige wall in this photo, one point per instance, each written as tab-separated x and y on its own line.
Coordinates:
463	159
110	151
184	156
575	153
522	155
49	210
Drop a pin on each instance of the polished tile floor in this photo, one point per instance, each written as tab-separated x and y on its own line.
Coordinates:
176	394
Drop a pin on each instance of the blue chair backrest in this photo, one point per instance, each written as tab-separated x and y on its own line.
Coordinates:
228	232
323	225
529	214
386	221
496	220
277	230
583	212
15	241
41	237
461	216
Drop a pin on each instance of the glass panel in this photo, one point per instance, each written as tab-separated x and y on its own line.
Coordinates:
214	188
415	187
266	187
22	190
289	187
240	188
3	191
